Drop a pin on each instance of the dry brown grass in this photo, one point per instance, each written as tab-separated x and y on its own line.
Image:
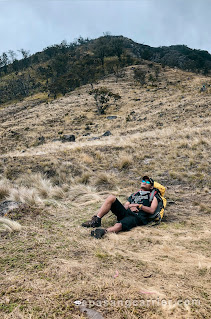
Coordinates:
7	224
125	162
52	261
26	196
30	189
4	188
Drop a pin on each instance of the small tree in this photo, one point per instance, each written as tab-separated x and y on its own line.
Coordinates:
1	62
5	58
140	76
24	53
102	98
151	79
4	62
157	71
101	49
117	46
12	55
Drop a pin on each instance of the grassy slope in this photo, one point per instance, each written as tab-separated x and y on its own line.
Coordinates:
52	261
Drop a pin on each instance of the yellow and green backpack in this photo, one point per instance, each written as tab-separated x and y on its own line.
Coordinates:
158	214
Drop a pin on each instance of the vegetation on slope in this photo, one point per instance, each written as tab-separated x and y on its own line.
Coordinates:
59	69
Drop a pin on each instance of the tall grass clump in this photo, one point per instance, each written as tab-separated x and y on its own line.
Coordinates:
25	195
5	187
124	162
105	181
42	186
9	225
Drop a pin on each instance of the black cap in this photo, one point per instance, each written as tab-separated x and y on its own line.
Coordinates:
149	179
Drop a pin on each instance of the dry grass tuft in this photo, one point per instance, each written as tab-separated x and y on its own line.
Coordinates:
85	178
9	225
86	158
207	191
81	194
57	193
31	189
42	185
205	208
25	195
99	155
105	181
125	162
5	186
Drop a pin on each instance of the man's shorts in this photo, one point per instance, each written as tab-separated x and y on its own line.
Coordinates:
124	216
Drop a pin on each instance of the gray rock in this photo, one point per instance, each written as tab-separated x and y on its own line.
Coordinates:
161	114
14	133
203	88
91	313
142	119
68	138
147	160
8	205
93	138
111	117
41	140
107	133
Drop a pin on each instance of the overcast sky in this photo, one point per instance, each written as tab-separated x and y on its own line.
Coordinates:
35	24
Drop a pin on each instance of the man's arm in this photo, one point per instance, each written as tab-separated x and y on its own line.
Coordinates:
133	207
152	208
126	205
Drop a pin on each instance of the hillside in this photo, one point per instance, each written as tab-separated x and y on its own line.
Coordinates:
61	68
161	128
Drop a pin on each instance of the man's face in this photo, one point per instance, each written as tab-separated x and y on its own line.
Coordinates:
145	184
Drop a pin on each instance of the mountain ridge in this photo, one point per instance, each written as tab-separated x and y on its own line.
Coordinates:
60	69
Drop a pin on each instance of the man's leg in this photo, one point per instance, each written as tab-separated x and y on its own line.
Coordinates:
105	208
125	224
118	209
115	229
100	232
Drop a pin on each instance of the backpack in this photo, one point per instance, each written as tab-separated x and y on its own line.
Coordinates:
158	214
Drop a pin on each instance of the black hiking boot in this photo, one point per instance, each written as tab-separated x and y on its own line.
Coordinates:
98	233
94	222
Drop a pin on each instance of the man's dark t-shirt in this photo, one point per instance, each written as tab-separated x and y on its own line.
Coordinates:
142	197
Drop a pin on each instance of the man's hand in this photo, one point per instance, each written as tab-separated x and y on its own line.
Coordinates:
126	205
134	207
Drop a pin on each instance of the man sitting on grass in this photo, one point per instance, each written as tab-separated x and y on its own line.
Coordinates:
135	212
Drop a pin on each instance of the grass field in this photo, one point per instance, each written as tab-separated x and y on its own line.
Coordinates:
162	129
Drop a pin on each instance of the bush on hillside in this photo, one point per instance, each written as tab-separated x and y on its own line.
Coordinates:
102	97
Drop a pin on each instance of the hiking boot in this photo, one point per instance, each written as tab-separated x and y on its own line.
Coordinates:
98	233
94	222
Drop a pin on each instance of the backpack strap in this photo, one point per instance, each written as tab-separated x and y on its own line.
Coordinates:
152	194
159	207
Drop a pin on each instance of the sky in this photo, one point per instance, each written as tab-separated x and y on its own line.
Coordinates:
34	24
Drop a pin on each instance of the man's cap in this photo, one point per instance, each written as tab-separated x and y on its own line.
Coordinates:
149	179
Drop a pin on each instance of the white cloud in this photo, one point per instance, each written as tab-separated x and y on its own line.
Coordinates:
33	25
